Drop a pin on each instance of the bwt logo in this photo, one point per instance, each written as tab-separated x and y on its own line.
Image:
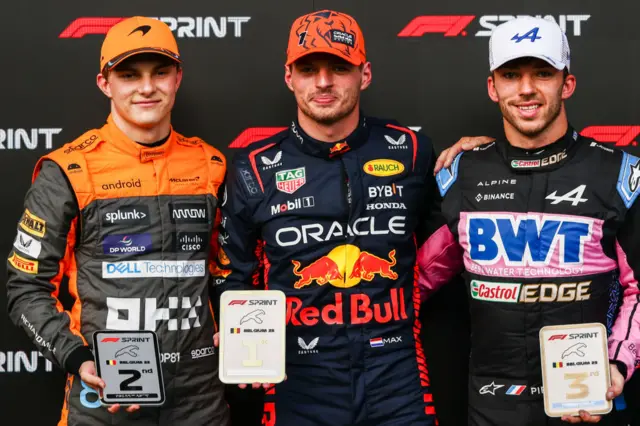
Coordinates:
526	241
183	26
456	25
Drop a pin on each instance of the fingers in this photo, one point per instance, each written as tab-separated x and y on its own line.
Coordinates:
242	386
93	381
584	417
216	340
617	383
116	407
440	161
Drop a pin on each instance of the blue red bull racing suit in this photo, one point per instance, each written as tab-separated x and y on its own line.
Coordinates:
333	225
546	237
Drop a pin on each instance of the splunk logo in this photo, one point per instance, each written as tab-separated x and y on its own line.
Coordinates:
532	245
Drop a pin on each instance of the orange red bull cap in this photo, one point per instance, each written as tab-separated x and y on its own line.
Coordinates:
137	35
326	31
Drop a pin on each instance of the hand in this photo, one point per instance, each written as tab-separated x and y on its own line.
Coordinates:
216	343
466	143
89	376
617	384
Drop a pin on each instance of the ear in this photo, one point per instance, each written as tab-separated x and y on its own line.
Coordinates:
568	87
103	85
288	74
491	89
178	77
366	76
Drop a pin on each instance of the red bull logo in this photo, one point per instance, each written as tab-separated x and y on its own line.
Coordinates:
344	266
339	148
368	266
361	310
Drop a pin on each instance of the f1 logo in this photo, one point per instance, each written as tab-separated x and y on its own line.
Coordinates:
450	26
621	135
558	337
237	302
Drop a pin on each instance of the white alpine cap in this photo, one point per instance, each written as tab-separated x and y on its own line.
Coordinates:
529	37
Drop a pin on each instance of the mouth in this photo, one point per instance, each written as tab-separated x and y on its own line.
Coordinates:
324	99
529	110
146	104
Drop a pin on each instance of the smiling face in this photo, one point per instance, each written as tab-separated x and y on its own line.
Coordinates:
326	87
530	93
142	89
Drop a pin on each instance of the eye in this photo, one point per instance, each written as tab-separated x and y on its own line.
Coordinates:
545	73
340	68
509	75
305	69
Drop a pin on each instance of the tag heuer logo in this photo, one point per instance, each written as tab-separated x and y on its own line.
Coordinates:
290	181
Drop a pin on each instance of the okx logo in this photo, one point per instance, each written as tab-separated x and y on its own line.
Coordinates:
529	245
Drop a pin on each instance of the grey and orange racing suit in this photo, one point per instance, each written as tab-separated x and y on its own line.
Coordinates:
131	228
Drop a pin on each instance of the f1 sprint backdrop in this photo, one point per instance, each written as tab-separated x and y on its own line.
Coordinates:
430	63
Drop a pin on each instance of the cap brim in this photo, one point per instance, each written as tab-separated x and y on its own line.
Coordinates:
557	65
323	50
118	59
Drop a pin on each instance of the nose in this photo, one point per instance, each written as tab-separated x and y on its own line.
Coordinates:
527	85
147	86
324	78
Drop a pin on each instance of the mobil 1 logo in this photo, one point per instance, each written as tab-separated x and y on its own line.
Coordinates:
129	364
190	242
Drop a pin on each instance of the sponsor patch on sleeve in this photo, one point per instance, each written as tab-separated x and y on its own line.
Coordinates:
24	265
33	224
447	177
629	179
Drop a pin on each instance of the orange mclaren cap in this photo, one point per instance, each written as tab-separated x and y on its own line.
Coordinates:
137	35
326	31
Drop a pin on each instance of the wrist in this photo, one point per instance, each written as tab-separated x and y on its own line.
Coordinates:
76	358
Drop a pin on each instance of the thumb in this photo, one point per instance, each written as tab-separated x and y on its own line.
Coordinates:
216	340
93	381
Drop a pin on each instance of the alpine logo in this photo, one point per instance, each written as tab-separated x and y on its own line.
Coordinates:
457	25
182	26
531	35
574	196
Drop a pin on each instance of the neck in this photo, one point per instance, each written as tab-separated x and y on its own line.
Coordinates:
552	133
143	135
329	132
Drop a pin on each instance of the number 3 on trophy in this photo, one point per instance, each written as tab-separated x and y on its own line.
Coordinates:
581	388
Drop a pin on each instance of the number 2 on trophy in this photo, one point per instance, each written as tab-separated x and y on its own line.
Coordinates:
582	390
253	360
